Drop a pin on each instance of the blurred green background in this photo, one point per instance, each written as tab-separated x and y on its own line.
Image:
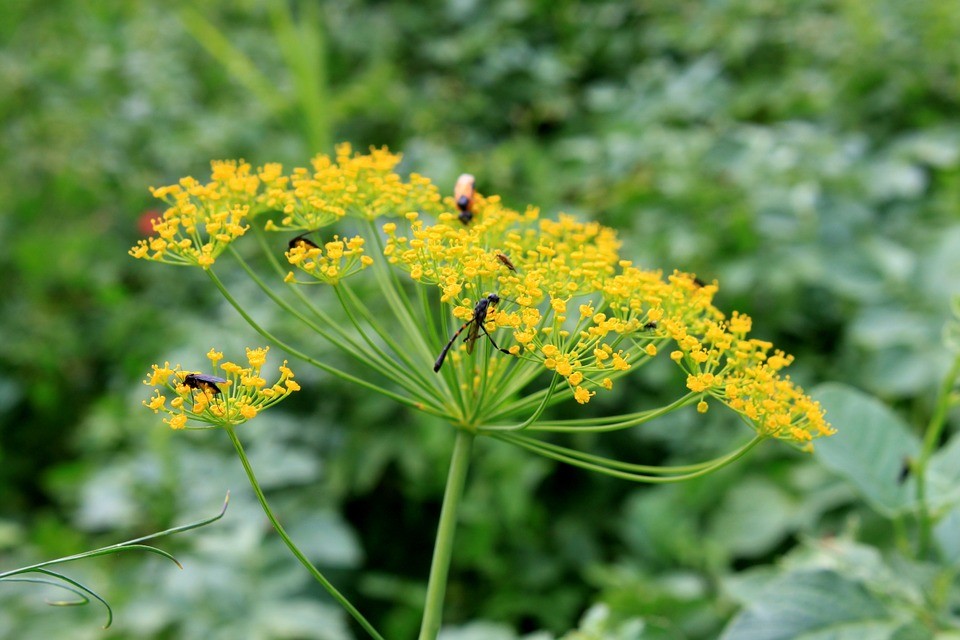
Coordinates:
805	154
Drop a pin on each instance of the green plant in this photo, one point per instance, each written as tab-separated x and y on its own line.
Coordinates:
577	315
907	589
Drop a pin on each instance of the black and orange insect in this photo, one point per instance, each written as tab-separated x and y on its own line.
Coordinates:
475	323
463	193
203	382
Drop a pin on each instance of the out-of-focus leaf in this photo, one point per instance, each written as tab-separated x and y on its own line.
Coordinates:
819	604
869	449
327	539
479	630
752	518
947	534
301	618
943	476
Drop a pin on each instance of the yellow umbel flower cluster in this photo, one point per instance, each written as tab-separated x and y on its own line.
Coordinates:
337	259
572	306
215	401
203	219
359	185
553	297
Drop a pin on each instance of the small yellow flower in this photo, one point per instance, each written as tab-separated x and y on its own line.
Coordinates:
583	396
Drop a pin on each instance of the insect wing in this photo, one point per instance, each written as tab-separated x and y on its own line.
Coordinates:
302	240
203	381
506	262
473	334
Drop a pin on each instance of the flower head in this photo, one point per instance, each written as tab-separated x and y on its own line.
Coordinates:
337	259
572	306
234	397
203	219
358	185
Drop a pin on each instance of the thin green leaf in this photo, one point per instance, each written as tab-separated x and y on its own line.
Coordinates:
84	589
53	583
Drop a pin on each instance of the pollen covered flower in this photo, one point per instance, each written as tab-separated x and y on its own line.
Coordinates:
202	219
570	305
339	258
508	298
229	397
358	185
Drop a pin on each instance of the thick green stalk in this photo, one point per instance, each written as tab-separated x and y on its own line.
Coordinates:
443	547
339	597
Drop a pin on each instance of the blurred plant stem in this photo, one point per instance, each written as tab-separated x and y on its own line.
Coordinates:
931	440
339	597
303	47
443	546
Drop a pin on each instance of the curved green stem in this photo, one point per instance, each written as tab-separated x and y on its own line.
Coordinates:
618	469
409	402
443	547
396	299
533	416
349	300
376	360
319	577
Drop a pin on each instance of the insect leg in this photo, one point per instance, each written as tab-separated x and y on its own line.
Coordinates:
443	354
494	342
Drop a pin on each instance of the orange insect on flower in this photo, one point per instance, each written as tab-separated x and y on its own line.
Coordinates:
463	193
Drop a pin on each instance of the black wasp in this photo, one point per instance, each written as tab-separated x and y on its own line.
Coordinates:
463	193
203	382
476	326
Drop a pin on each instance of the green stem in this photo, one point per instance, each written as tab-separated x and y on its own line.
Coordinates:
930	441
443	547
320	365
613	467
339	597
533	416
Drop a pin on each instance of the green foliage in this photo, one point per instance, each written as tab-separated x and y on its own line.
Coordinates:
806	155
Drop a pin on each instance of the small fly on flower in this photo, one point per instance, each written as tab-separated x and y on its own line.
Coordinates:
463	193
303	240
203	382
476	326
506	262
650	326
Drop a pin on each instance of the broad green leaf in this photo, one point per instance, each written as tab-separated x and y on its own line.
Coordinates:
943	476
869	449
818	604
947	534
753	517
